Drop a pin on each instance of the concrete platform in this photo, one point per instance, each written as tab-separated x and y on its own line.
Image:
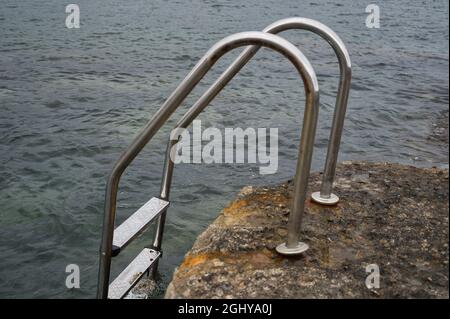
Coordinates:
391	215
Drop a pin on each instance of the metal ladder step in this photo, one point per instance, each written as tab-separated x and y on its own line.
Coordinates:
136	223
130	276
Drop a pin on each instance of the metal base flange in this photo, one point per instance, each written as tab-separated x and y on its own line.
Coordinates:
332	200
297	250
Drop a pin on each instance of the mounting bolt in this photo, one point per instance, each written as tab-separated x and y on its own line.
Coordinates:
297	250
331	200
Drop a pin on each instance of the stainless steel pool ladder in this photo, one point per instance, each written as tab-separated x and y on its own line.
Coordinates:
114	241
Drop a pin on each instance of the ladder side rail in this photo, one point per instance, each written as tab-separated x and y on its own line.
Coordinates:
176	98
341	100
193	112
325	194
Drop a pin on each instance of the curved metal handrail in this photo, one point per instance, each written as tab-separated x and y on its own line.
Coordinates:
325	196
184	88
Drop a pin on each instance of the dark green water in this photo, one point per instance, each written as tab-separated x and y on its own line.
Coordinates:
72	100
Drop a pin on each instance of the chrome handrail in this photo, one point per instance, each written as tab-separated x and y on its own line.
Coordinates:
175	99
325	196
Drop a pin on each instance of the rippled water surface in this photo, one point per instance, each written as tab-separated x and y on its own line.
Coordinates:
72	100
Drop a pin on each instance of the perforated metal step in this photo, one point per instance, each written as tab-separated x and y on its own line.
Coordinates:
137	222
130	276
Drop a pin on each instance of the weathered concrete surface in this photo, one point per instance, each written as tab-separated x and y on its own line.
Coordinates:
391	215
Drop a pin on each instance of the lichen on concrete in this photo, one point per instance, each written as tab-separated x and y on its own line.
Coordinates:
391	215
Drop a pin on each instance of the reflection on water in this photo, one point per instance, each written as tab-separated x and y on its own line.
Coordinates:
71	100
